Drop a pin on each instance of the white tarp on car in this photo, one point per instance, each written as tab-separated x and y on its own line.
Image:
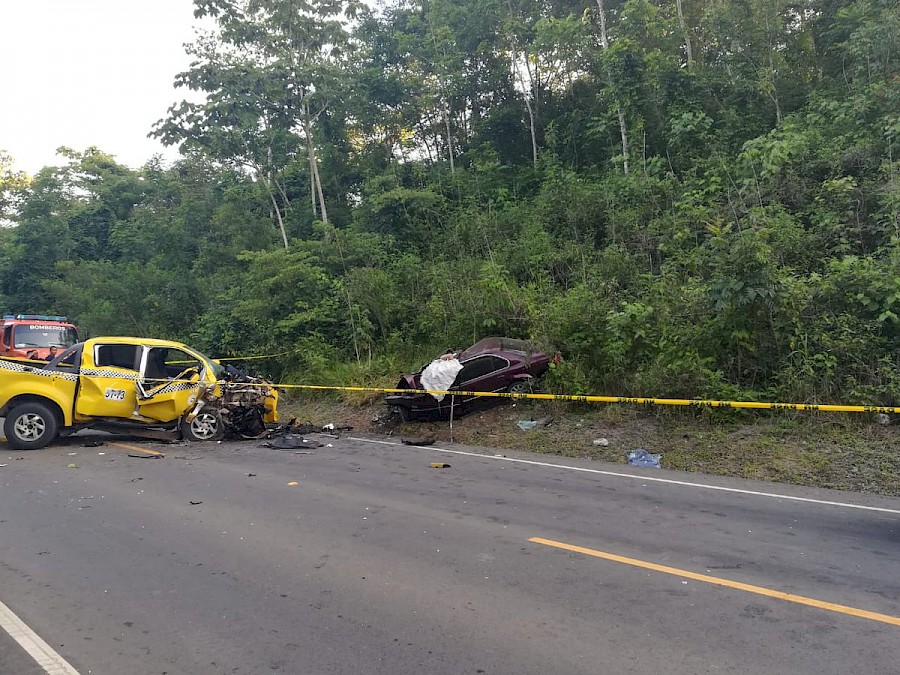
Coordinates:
439	375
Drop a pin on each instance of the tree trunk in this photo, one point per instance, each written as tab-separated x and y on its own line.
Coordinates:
312	182
532	124
527	91
623	130
446	116
687	36
314	168
773	94
532	111
623	127
277	210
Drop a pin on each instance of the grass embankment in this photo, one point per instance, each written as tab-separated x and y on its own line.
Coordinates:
846	452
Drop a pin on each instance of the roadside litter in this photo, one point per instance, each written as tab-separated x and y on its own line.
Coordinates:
440	465
601	442
418	441
528	425
641	457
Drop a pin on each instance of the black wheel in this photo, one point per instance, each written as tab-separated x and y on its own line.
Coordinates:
30	426
521	387
207	426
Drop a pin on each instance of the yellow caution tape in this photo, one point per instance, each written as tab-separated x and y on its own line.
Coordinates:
685	402
639	400
251	358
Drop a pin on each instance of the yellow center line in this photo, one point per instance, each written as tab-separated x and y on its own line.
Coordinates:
749	588
137	448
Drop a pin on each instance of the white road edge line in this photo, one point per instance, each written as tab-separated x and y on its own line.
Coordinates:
45	656
582	469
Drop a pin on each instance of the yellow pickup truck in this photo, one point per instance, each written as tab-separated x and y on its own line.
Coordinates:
139	386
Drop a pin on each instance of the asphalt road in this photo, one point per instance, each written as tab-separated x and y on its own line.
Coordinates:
209	561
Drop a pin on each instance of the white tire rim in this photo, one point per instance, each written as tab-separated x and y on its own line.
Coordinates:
205	425
29	427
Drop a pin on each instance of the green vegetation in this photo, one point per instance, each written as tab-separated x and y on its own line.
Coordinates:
686	199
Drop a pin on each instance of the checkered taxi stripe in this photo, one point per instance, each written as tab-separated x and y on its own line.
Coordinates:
16	367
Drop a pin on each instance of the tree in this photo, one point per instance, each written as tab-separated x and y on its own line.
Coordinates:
12	183
268	73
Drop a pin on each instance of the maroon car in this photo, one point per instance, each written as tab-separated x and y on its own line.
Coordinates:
492	364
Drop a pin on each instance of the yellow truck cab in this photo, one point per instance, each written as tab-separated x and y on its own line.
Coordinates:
140	386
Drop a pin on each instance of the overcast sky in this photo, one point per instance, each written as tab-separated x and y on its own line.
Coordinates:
88	72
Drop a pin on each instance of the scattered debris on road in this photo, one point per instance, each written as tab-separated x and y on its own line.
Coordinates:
428	440
145	455
194	503
290	442
293	483
440	465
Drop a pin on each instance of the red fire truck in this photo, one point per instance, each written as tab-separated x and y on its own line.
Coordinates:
32	335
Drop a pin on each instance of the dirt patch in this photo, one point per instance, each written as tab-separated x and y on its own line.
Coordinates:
816	449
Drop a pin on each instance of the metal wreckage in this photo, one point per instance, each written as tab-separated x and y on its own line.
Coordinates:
139	386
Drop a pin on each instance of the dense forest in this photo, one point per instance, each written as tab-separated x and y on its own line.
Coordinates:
694	198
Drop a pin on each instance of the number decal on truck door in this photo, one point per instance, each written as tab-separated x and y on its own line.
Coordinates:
114	394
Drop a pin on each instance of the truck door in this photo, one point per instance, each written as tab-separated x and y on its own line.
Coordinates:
109	385
6	339
169	383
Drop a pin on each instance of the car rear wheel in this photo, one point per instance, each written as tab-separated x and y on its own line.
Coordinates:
206	426
521	387
30	426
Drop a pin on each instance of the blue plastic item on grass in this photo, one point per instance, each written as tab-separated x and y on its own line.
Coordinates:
641	457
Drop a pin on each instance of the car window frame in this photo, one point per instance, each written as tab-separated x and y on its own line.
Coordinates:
482	357
135	367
